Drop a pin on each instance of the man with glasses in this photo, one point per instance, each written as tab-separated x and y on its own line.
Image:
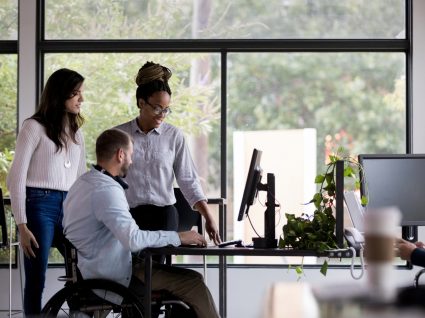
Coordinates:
160	155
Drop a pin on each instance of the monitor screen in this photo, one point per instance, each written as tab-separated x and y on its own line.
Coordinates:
252	180
396	180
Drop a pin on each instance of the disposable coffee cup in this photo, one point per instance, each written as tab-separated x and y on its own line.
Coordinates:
381	226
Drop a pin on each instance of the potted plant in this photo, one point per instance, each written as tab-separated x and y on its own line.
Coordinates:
317	232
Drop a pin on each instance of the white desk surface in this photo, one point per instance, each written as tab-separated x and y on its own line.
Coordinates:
298	300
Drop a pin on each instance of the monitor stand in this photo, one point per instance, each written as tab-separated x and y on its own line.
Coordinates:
269	240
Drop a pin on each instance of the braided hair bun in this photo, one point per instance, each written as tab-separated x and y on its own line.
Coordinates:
151	72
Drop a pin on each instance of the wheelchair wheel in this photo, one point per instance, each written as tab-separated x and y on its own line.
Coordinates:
78	300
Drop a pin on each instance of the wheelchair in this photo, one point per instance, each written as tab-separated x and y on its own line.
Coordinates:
101	298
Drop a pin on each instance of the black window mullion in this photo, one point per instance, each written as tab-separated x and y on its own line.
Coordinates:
409	91
343	45
8	47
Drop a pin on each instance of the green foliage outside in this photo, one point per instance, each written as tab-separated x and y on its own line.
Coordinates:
109	91
8	19
354	100
8	103
224	19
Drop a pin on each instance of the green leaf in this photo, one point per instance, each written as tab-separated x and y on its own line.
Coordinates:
319	178
357	184
324	268
299	270
329	177
348	171
364	200
281	242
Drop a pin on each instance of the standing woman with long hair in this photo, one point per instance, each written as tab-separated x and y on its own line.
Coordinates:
49	157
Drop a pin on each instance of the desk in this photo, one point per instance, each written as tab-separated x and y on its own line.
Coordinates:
222	253
302	300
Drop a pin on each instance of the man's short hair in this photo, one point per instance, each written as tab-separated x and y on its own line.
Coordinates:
109	142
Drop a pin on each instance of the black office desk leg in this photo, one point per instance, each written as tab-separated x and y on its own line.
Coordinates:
148	285
222	277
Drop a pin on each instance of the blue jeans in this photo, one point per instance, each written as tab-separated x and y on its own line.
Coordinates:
44	219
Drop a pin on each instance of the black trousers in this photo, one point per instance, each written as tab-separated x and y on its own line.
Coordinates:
155	218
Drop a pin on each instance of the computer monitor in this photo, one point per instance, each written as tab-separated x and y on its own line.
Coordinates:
395	180
252	180
252	186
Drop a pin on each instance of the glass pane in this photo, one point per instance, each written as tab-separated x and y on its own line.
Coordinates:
8	118
8	122
110	100
224	19
8	19
300	107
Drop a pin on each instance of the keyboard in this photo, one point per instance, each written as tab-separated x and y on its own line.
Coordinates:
236	243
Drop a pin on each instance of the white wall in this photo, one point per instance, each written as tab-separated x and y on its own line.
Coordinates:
291	156
246	287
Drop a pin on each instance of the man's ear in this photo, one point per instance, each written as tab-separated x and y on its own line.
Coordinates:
120	155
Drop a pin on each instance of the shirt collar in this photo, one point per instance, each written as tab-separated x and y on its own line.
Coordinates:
135	127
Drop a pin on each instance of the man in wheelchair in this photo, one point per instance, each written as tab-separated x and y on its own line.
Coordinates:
98	223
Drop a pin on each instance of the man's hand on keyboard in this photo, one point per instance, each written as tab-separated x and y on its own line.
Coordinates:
192	237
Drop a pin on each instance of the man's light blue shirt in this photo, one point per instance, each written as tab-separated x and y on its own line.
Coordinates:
98	222
160	156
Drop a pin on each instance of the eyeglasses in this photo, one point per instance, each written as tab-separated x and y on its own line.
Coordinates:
158	110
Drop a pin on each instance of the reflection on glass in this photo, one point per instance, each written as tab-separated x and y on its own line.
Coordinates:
9	20
300	107
224	19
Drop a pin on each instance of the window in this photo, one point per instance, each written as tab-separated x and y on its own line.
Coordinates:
8	20
8	96
110	99
300	107
8	102
297	78
224	19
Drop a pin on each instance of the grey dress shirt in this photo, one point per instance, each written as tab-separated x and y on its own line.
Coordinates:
98	222
160	156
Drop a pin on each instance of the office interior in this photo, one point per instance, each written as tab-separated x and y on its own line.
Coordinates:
247	285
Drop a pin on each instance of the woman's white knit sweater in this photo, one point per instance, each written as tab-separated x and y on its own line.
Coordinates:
37	163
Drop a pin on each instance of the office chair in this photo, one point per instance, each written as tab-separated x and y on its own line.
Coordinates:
188	218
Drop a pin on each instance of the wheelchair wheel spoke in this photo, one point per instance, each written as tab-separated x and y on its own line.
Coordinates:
78	301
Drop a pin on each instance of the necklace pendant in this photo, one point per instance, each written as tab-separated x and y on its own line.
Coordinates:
67	164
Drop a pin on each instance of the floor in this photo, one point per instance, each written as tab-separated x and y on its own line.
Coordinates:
15	314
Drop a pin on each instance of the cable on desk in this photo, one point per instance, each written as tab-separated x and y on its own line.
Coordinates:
361	263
